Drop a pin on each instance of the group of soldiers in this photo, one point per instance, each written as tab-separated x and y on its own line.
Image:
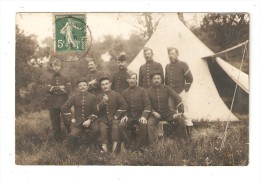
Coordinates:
106	108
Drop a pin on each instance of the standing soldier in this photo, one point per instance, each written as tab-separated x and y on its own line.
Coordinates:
112	108
85	115
57	90
119	82
179	78
159	95
93	77
138	110
149	68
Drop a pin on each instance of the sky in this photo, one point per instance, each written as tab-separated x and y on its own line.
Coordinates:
115	24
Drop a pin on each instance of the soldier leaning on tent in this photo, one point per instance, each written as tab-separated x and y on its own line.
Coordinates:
58	89
179	77
85	115
159	96
148	68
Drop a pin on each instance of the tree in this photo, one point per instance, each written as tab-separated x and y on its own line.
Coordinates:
29	80
220	31
26	47
149	23
226	29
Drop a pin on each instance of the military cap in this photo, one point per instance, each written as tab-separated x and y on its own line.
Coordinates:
130	73
103	77
88	59
122	57
172	48
81	80
145	49
155	73
56	62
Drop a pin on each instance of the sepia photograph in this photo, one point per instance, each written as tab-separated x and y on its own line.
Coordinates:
132	89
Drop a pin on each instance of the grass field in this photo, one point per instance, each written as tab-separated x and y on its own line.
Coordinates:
35	146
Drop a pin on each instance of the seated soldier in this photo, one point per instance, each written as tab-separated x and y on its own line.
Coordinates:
138	110
159	95
111	108
85	115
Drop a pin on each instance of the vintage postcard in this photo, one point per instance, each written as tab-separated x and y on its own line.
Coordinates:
136	89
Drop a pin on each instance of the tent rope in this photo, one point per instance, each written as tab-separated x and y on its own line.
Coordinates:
233	99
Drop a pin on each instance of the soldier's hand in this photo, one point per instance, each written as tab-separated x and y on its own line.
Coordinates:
105	98
92	82
73	120
186	88
177	115
157	115
124	119
143	120
62	87
86	123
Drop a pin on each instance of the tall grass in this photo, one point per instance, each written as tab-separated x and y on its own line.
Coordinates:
35	146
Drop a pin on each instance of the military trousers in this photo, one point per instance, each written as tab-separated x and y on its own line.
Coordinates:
179	122
108	131
91	133
126	134
56	117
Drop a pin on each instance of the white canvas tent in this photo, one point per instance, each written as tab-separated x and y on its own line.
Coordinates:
204	100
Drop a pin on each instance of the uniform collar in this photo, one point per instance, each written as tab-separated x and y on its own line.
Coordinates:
122	70
57	74
83	93
157	86
93	72
133	87
174	62
108	92
150	62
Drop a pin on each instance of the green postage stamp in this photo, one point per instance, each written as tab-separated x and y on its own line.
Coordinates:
70	32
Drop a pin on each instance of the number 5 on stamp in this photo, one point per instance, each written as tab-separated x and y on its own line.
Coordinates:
69	32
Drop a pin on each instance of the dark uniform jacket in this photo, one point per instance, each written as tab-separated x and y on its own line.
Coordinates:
56	96
119	82
159	97
146	70
94	88
138	103
114	108
85	106
178	76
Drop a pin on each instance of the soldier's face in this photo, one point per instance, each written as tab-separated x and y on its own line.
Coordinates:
148	55
173	55
83	87
56	68
132	80
121	64
92	66
105	85
157	80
